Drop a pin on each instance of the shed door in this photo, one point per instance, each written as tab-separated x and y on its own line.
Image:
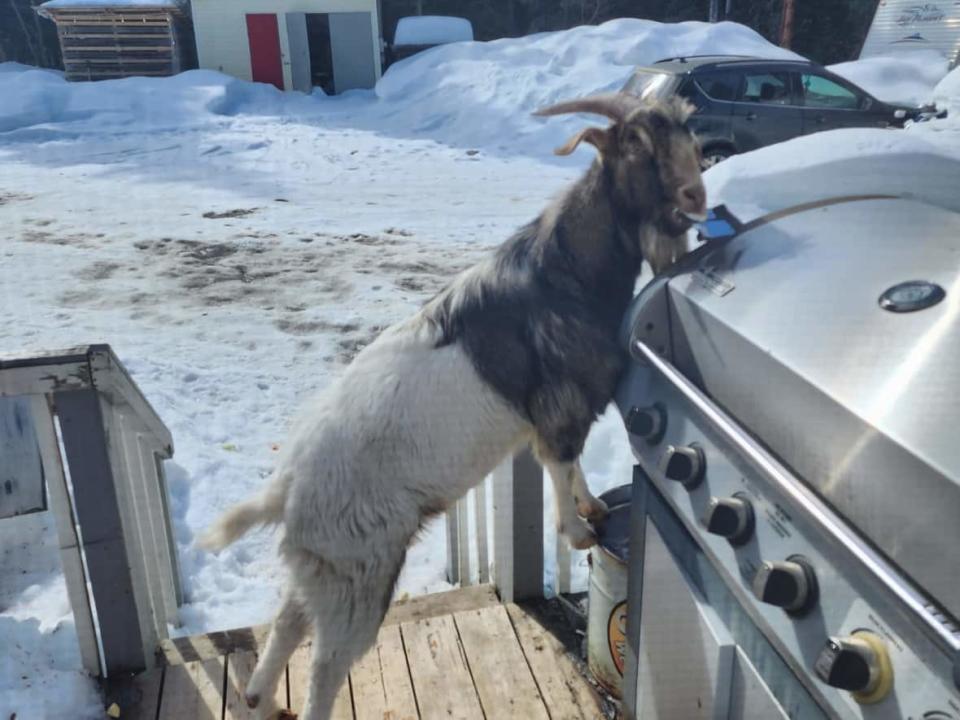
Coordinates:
264	40
351	38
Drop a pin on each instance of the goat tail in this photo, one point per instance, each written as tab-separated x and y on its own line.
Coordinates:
264	509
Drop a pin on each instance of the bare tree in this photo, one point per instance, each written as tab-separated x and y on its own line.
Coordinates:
786	24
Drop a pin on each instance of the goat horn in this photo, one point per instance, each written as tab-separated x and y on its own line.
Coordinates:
616	106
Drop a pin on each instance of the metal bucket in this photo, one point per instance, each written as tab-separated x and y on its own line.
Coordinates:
607	592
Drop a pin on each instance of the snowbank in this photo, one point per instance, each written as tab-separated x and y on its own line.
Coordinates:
475	94
905	78
484	93
37	98
947	91
432	30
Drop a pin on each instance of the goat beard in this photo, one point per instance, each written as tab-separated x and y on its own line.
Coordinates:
659	248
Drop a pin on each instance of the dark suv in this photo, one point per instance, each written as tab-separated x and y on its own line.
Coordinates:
745	103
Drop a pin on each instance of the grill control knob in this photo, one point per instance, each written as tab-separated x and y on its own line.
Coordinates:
648	422
731	518
858	663
791	585
684	463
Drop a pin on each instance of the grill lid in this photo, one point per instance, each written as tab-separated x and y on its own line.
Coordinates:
833	335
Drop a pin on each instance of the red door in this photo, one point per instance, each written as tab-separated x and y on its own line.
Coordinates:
264	41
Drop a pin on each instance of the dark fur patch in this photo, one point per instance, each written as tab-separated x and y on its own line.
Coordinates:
540	321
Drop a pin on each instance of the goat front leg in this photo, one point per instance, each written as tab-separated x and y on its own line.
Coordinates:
569	523
588	506
562	419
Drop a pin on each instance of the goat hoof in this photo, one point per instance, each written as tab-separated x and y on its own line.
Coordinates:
286	715
580	536
593	509
583	543
252	700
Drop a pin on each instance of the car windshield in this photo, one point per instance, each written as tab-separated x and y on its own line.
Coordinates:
646	84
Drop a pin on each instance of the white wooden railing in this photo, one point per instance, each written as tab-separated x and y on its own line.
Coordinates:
496	534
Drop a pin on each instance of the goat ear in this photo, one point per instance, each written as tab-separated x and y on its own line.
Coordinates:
597	137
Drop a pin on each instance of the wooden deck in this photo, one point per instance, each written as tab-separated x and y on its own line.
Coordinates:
459	655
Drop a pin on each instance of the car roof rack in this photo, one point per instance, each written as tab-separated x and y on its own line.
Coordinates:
722	59
684	58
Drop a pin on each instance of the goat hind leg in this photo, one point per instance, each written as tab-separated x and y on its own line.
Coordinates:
336	646
288	630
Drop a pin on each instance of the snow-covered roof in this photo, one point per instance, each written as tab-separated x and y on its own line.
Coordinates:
430	30
83	4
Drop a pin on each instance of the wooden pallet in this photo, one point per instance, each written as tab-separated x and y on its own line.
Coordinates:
117	42
459	654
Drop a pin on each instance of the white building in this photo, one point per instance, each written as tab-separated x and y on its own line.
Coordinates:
293	44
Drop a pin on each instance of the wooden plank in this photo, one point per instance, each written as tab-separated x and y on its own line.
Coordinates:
177	651
119	61
480	517
62	509
439	670
444	603
74	75
562	548
518	528
98	515
194	691
239	669
567	694
137	696
463	542
142	513
380	681
453	545
298	675
504	683
119	49
115	36
112	378
158	497
21	468
39	380
152	627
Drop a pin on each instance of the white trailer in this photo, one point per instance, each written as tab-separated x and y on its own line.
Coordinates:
906	25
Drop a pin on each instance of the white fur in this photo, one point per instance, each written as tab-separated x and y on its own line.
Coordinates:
408	428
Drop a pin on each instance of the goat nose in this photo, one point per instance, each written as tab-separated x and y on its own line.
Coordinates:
693	197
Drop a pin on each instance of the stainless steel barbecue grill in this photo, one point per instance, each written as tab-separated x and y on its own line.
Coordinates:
794	408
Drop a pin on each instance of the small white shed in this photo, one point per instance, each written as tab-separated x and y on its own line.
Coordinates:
292	44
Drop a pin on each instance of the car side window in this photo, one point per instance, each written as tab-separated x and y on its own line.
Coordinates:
819	92
719	85
767	88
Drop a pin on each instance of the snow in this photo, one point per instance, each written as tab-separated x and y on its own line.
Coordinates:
432	30
947	91
909	77
236	245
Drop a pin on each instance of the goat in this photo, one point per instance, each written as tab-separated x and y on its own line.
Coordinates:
520	349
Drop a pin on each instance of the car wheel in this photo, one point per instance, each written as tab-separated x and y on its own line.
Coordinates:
712	156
